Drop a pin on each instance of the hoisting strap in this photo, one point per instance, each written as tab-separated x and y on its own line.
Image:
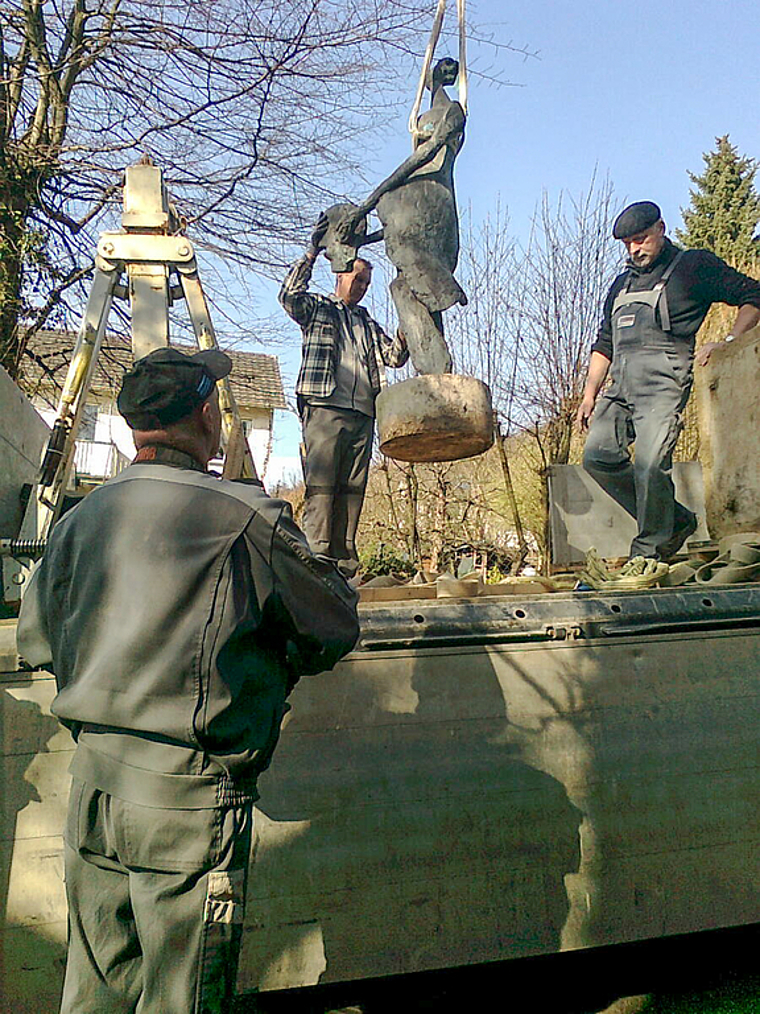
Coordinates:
433	42
462	56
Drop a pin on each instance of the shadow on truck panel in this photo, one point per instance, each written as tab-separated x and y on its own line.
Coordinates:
712	972
25	731
412	828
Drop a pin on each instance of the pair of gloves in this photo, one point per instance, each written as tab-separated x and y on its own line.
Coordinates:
638	573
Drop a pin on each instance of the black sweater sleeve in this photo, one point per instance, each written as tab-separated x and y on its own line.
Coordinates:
603	341
719	283
699	280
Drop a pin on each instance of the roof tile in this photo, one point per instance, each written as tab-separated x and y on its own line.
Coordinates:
255	377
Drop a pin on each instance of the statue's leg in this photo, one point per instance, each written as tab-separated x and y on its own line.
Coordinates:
432	282
427	346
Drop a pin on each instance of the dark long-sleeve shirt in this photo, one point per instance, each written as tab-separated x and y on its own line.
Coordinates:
699	280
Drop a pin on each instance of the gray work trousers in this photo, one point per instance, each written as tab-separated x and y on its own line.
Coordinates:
645	402
156	901
337	447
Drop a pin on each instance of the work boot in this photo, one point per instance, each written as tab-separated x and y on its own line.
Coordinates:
348	568
681	533
347	511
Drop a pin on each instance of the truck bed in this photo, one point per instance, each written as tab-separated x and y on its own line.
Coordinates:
478	781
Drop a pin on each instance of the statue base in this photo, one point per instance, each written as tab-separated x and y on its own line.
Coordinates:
435	417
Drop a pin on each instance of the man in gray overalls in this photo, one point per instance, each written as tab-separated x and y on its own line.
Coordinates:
646	342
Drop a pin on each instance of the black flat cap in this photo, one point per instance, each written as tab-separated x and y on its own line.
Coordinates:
166	385
635	218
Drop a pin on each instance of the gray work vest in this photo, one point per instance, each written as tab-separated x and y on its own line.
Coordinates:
646	360
634	314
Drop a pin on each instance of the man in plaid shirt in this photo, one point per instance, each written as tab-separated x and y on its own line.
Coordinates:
336	390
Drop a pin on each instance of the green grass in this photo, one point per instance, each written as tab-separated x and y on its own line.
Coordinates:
734	995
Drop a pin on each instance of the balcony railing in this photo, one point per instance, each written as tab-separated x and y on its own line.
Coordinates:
98	459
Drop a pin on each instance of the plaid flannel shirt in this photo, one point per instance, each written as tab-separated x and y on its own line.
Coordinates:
320	322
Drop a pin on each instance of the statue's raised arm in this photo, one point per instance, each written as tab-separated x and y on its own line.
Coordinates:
447	127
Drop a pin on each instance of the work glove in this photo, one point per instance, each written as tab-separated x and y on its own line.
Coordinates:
318	234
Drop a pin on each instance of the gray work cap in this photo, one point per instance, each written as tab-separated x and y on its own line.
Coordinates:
166	385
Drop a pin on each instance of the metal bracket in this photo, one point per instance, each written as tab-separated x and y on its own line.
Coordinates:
150	250
136	247
573	633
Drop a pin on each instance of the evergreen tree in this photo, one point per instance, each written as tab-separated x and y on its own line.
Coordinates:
725	207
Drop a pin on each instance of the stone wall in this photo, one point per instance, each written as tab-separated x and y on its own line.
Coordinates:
728	402
23	435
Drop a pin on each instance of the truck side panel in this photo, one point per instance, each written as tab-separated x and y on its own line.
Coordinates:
432	806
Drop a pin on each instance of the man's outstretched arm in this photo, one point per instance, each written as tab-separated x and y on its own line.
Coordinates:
747	318
597	374
314	606
394	352
294	295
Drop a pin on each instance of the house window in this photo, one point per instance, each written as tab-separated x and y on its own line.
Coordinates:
88	422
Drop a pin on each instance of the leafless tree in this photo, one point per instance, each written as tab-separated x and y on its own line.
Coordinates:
482	335
568	265
423	512
250	106
532	316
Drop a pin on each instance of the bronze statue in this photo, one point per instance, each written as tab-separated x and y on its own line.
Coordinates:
437	416
417	207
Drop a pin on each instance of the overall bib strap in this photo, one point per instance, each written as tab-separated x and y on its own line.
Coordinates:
664	311
653	297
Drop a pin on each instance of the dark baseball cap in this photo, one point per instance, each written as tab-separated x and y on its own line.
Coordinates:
635	218
166	385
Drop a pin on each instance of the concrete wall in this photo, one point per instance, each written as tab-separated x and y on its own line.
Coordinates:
583	515
728	400
23	434
441	806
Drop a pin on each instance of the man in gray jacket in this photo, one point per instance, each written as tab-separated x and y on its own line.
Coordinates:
177	611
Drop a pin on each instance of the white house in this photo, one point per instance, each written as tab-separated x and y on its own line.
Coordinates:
104	441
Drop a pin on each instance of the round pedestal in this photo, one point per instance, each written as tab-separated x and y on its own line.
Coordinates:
435	417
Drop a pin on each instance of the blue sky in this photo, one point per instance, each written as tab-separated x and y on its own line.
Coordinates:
634	91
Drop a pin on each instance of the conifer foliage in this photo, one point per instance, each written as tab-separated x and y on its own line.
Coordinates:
725	207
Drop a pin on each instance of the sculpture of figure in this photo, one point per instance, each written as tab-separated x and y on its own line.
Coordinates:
417	207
